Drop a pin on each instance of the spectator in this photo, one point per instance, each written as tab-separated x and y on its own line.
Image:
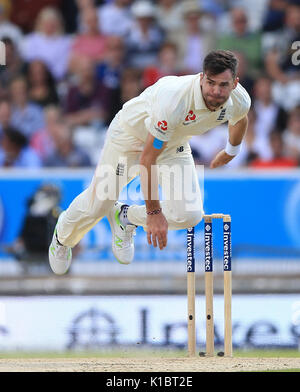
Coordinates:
9	30
115	18
278	159
41	84
255	9
65	153
48	43
274	16
13	67
168	64
193	44
244	78
70	12
42	141
145	37
82	6
24	12
291	135
91	43
267	113
247	153
279	59
214	7
86	101
5	115
130	87
244	41
85	4
169	15
6	6
14	151
205	147
26	116
109	71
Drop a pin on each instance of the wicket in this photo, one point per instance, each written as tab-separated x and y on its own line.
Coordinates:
209	291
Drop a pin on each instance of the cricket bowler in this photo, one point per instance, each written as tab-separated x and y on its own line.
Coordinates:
148	137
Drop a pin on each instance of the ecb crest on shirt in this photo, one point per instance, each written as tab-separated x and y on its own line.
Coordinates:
162	126
190	118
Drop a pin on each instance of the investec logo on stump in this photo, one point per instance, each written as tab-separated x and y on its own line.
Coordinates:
208	247
227	247
190	250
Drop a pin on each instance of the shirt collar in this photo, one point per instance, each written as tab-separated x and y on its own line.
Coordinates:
198	98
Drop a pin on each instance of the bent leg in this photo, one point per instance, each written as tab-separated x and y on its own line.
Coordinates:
85	211
88	208
182	202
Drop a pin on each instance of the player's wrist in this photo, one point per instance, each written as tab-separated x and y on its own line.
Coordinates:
154	211
232	150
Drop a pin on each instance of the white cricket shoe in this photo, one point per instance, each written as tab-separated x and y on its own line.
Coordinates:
60	256
122	236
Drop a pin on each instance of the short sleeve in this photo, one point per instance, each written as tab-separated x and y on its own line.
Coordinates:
242	104
166	114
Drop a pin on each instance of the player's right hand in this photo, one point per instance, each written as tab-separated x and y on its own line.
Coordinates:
157	230
222	158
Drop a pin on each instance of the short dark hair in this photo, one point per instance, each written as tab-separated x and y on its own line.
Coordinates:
219	61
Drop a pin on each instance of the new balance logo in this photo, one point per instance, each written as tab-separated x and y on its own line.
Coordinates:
120	169
118	242
222	115
180	149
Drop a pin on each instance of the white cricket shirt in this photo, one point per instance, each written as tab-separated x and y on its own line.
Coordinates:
173	110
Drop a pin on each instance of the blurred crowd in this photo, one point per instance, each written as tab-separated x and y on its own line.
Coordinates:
72	64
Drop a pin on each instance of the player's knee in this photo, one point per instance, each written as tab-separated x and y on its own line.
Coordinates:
188	219
192	218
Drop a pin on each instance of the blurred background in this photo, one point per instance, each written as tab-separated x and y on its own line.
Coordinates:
70	66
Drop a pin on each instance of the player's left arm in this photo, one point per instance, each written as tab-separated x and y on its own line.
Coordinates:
236	134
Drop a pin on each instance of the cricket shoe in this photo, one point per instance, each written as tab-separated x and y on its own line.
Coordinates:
122	236
60	256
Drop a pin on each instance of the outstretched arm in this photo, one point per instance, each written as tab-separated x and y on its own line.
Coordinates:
236	134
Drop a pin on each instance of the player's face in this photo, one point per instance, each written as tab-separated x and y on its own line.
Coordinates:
217	88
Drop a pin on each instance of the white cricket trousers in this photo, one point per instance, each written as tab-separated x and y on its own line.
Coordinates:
118	165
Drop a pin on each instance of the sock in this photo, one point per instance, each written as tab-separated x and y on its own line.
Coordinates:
123	215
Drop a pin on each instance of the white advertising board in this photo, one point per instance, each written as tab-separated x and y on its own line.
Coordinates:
85	322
